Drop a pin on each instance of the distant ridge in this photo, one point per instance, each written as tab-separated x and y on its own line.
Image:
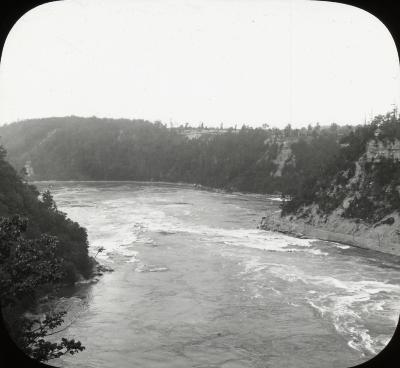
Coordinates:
352	171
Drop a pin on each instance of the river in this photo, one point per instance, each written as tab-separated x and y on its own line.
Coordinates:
196	284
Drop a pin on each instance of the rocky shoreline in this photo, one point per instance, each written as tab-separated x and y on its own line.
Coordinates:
383	237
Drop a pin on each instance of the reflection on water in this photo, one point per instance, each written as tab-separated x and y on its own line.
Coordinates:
196	284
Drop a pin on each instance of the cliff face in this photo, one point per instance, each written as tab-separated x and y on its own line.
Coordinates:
366	198
378	150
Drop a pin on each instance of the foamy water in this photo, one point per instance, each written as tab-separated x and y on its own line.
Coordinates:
197	284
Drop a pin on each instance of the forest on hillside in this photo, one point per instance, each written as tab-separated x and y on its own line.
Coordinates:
17	197
105	149
307	165
40	250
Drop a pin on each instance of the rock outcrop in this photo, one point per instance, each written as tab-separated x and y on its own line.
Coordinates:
383	236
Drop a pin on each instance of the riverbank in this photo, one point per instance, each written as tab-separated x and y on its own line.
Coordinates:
52	300
382	237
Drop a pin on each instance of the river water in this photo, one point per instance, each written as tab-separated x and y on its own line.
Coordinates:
196	284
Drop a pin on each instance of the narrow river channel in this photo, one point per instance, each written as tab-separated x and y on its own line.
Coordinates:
196	284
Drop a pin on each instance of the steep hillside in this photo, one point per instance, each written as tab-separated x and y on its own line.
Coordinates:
247	159
20	198
357	194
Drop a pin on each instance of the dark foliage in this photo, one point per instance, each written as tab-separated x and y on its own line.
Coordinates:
75	148
322	161
18	197
327	180
27	266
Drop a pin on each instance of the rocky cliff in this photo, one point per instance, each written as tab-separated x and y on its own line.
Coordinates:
358	205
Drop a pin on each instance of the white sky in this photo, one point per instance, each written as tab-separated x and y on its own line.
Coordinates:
232	61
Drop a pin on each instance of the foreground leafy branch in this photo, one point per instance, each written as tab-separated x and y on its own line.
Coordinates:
38	348
26	267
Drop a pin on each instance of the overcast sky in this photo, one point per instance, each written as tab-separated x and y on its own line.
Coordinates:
235	62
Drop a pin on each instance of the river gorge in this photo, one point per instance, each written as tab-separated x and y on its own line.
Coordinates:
197	284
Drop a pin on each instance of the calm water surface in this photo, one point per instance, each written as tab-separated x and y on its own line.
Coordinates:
196	284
